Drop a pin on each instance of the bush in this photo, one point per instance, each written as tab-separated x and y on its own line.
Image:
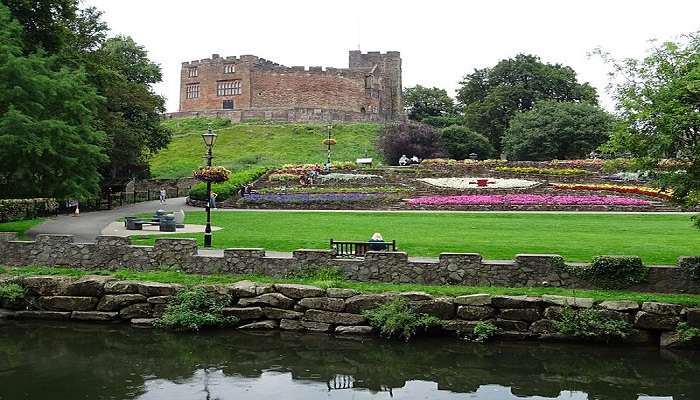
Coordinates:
460	142
614	272
11	291
686	332
691	265
411	139
398	318
229	188
483	331
19	209
557	130
193	309
590	323
442	121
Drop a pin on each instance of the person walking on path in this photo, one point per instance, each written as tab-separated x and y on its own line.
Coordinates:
163	194
212	200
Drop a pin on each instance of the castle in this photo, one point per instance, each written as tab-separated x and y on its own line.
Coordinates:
249	87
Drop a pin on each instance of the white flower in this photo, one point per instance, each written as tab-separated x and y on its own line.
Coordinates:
479	183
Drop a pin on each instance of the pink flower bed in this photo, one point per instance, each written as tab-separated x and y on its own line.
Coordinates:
527	199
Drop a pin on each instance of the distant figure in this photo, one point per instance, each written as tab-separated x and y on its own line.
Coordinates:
162	196
212	200
403	161
242	191
249	189
377	243
415	160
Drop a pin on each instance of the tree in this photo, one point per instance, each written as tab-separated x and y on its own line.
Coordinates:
421	102
49	145
659	101
492	96
557	130
410	139
461	142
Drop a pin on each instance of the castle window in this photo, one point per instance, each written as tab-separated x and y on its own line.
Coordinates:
229	68
228	88
192	91
368	82
192	72
228	105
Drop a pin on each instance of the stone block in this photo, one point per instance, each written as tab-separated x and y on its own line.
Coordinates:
261	325
44	315
291	325
299	291
277	300
516	301
114	302
334	317
693	317
243	289
542	326
415	296
323	303
148	289
362	302
91	285
442	308
94	315
68	303
140	310
511	325
46	285
243	313
313	326
458	326
620	305
647	320
475	313
474	300
353	330
279	313
662	308
341	293
143	322
575	302
521	314
160	299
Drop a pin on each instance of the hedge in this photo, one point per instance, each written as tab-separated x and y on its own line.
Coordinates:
229	188
19	209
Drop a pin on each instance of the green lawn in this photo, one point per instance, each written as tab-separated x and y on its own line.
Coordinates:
242	146
20	226
658	239
328	278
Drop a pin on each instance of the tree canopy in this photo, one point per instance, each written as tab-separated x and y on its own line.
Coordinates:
421	102
557	130
490	97
461	142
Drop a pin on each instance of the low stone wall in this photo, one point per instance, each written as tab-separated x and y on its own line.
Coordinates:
112	252
338	311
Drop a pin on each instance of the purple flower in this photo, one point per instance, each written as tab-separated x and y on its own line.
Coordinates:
310	197
527	199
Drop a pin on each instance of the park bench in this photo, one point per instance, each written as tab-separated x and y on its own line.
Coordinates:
166	223
346	248
363	162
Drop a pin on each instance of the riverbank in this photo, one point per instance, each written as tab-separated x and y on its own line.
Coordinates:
343	311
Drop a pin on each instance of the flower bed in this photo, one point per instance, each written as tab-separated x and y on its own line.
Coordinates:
527	199
479	183
335	189
311	197
347	177
643	190
542	171
211	174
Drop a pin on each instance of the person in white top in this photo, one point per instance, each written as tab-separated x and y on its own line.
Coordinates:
162	196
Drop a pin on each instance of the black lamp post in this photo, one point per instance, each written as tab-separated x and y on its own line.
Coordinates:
328	160
209	139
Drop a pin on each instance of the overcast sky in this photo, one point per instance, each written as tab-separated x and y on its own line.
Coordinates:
440	40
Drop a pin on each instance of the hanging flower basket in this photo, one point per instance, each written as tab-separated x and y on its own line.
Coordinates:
329	142
211	174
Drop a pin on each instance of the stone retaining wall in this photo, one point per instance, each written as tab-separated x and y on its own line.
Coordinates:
339	311
112	252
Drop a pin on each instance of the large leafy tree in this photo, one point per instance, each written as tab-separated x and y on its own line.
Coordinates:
490	97
557	130
462	142
49	145
659	99
421	102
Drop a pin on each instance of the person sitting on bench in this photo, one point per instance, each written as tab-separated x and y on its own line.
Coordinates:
377	243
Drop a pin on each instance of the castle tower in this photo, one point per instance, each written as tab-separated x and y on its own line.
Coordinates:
388	68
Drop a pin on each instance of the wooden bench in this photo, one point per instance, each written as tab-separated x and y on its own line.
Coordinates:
364	162
345	248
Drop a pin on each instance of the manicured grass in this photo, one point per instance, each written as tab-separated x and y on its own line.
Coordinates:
242	146
20	226
329	278
657	239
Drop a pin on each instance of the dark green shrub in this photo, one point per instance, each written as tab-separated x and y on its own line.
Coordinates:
410	139
686	332
483	331
11	291
590	323
460	142
691	265
195	308
229	188
442	121
614	272
398	318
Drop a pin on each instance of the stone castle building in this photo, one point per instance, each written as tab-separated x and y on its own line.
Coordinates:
249	87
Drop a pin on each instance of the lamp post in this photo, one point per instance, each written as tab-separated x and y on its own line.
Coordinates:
328	160
209	139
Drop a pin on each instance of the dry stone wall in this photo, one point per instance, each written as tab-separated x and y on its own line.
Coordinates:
112	252
338	311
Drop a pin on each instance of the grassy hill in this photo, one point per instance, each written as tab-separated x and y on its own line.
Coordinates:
247	145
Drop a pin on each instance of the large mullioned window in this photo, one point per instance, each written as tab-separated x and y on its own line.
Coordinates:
228	88
192	91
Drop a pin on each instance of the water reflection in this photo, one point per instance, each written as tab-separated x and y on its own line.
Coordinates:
53	361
